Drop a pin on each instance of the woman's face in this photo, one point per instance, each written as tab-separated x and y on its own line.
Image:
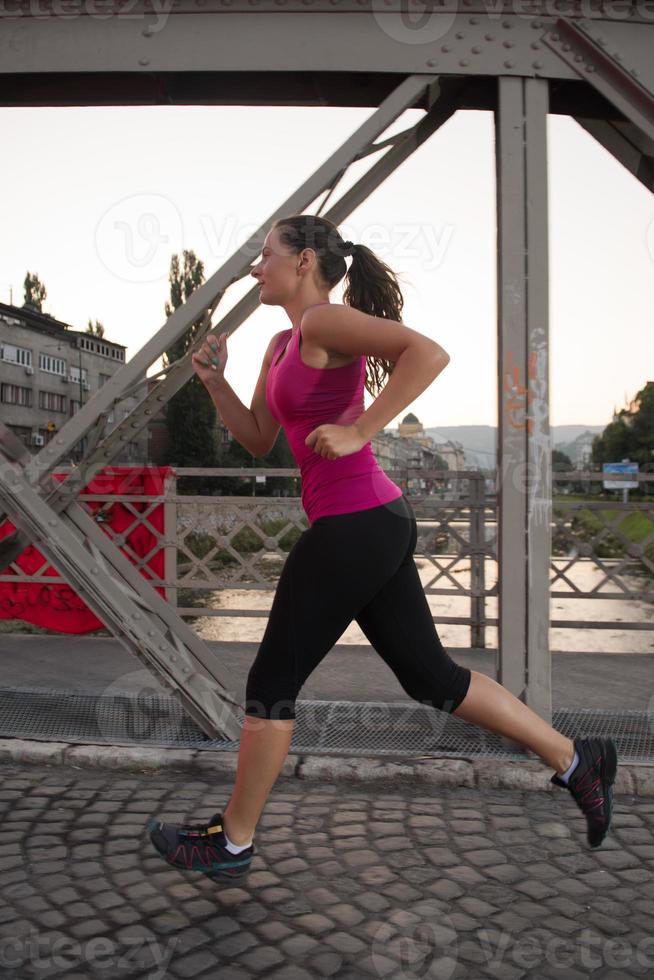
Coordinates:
276	271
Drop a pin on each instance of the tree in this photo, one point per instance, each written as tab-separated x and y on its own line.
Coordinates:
561	462
96	329
630	435
190	413
35	291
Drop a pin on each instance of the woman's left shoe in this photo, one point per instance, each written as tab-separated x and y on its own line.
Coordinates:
591	784
200	847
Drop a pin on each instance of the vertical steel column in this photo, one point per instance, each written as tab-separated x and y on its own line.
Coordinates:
524	448
477	493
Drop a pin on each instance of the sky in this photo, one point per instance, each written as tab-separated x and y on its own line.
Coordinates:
96	200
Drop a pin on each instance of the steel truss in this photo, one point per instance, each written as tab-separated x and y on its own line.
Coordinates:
597	68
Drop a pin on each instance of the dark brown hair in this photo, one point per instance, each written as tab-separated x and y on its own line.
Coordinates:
371	287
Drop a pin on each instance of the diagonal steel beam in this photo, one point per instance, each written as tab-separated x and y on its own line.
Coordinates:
410	90
575	45
125	601
403	145
627	144
33	498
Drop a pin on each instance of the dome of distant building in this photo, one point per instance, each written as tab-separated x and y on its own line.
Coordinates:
410	418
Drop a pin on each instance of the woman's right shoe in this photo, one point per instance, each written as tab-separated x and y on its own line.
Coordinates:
199	847
591	784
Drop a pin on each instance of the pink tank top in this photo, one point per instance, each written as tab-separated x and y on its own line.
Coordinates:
301	398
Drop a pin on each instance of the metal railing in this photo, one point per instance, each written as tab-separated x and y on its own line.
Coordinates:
215	543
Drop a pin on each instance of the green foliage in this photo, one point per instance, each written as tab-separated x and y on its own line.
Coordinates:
97	328
190	414
630	435
561	462
35	291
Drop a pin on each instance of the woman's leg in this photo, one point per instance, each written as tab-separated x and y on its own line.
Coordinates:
333	569
263	747
490	705
398	623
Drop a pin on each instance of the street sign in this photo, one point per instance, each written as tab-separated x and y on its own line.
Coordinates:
620	468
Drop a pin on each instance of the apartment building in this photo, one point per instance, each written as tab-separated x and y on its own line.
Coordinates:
48	370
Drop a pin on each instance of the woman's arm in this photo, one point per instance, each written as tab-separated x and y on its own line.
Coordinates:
418	360
413	373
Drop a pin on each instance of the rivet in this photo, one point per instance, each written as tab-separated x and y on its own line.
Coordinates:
53	523
634	73
489	37
579	57
477	49
144	61
432	62
136	615
162	646
537	64
601	40
566	47
617	56
509	64
460	35
507	23
446	48
152	632
463	63
95	570
590	67
507	44
554	37
535	46
536	23
473	20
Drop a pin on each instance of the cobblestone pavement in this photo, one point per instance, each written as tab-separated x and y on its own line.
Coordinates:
349	881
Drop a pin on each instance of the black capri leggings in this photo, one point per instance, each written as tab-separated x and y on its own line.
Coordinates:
359	566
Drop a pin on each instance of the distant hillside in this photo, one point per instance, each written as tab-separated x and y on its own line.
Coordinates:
480	441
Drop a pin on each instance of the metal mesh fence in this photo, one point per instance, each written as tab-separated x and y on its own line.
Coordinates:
349	728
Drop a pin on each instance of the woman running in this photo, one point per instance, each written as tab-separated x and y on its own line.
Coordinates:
355	561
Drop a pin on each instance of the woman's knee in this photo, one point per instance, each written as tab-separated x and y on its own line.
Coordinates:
269	702
447	693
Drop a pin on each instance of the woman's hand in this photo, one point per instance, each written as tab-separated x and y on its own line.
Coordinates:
210	360
332	441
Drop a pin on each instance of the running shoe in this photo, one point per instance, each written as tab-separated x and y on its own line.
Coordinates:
591	784
200	847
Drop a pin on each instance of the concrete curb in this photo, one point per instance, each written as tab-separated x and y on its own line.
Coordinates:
636	779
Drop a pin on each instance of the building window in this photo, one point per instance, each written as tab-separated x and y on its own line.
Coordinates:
52	401
15	355
16	395
74	375
104	378
53	365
